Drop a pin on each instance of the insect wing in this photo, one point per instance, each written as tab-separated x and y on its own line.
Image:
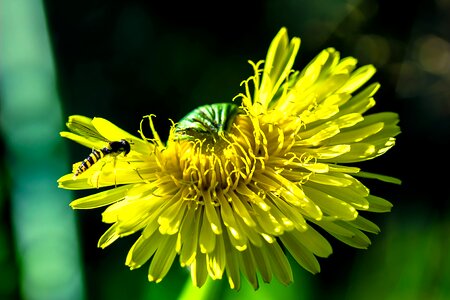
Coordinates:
83	132
110	132
82	125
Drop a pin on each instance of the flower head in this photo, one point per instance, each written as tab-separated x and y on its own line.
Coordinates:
236	186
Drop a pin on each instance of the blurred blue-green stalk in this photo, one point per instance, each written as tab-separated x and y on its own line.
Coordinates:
44	226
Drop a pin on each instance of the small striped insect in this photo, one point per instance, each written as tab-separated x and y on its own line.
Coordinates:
113	149
91	133
209	119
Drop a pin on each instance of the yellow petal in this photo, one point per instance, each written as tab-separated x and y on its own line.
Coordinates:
303	256
188	237
357	79
278	262
216	260
163	258
207	238
377	204
199	273
331	205
279	61
141	251
101	199
232	267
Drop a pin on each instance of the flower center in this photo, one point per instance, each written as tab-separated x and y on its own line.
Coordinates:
219	161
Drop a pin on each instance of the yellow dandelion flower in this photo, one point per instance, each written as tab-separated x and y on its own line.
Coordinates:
236	186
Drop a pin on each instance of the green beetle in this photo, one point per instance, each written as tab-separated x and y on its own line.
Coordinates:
206	121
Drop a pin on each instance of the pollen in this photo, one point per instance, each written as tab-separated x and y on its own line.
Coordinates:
220	163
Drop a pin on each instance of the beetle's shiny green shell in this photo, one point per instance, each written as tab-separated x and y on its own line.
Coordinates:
205	120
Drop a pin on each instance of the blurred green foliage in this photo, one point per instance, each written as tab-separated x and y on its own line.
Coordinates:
122	60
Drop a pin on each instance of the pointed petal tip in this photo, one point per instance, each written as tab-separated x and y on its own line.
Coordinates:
151	278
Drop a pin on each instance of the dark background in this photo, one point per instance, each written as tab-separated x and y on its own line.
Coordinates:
122	60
